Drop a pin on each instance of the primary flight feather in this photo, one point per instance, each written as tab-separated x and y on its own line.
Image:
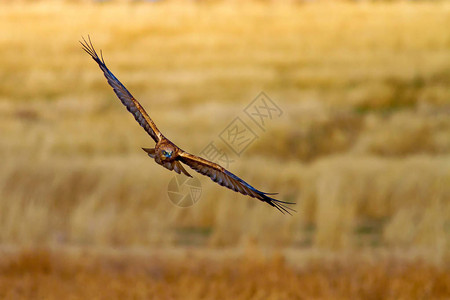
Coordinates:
171	156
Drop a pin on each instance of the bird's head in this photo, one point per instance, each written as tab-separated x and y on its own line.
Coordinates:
167	152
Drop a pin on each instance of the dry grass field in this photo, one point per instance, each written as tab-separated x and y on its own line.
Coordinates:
196	275
362	147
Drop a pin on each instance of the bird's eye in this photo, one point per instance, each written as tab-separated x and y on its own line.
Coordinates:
164	152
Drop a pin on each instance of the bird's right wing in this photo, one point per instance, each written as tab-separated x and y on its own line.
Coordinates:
132	105
225	178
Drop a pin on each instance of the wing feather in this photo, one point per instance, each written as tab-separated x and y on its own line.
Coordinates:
132	105
225	178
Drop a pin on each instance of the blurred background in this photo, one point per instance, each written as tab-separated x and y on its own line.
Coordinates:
362	146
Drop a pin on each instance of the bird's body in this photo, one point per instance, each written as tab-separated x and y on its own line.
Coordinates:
167	154
170	156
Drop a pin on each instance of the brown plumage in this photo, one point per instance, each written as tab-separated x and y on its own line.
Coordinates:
168	154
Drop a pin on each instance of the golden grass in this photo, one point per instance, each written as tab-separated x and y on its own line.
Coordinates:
83	275
363	146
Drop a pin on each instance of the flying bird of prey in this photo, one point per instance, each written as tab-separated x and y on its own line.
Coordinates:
171	156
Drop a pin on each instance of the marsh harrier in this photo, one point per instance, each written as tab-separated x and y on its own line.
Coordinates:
171	156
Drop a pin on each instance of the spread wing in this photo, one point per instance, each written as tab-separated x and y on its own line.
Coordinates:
225	178
124	95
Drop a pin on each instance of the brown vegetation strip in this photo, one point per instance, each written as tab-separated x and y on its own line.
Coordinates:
47	275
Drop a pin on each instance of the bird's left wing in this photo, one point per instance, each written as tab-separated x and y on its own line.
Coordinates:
132	105
225	178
